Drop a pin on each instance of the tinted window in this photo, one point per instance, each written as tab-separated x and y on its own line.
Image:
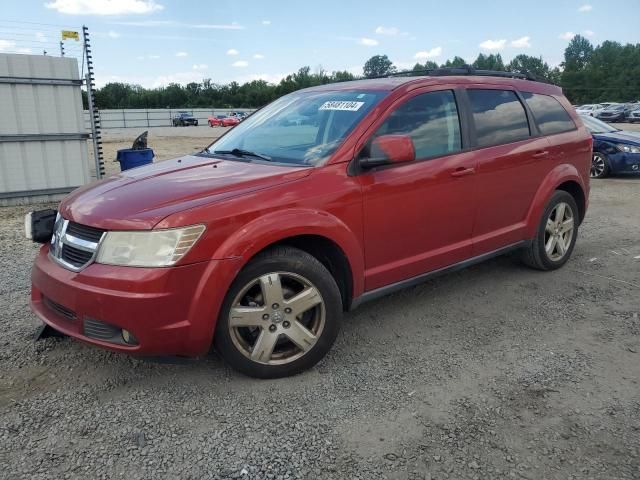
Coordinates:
499	117
550	116
431	120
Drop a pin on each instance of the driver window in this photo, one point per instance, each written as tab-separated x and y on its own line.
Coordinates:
431	120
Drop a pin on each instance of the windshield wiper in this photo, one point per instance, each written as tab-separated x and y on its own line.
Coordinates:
238	152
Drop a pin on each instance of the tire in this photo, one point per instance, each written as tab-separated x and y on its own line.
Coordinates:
210	123
260	315
600	167
195	124
565	231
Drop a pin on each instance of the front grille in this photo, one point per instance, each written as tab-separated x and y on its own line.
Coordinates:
102	331
75	256
59	309
74	245
84	232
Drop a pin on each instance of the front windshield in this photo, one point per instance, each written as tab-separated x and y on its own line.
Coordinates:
302	128
597	126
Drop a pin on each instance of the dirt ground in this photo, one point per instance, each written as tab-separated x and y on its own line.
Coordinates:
496	371
166	142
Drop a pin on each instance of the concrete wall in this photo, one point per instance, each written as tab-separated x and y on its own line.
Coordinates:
154	117
43	146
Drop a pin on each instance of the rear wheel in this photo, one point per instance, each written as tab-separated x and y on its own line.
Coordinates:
280	316
599	165
556	236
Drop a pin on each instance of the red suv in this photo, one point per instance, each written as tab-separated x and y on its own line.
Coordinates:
322	200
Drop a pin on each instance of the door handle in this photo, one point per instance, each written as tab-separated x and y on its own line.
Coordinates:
463	172
540	154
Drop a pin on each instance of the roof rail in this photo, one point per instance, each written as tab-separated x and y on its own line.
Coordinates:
468	70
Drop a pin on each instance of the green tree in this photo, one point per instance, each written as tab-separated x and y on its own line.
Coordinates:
527	64
456	62
489	62
378	66
575	78
577	54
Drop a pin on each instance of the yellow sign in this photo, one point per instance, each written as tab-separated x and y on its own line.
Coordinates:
70	34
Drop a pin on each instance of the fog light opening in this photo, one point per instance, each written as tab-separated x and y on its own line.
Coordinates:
128	337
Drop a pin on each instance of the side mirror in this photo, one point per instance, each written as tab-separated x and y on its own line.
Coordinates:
389	150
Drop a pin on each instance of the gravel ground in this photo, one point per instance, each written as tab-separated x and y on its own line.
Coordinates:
493	372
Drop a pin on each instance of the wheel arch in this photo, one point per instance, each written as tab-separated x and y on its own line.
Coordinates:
563	177
321	235
327	252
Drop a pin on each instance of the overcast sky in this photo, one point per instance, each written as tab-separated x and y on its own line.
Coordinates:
154	42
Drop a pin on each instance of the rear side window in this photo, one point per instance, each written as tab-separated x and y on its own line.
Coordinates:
499	117
431	120
550	115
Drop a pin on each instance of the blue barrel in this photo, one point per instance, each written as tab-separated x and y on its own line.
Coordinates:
130	158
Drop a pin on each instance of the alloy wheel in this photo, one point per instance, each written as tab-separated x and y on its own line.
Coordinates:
559	231
597	165
277	318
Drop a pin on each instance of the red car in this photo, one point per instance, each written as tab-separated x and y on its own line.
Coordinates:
223	121
324	199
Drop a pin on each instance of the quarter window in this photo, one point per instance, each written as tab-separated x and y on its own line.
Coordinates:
499	117
431	120
550	116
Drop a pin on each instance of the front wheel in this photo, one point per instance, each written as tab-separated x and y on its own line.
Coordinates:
280	316
599	165
556	235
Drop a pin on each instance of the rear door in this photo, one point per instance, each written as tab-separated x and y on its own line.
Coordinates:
418	215
512	161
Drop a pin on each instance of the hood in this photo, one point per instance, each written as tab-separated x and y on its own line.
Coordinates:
632	138
138	199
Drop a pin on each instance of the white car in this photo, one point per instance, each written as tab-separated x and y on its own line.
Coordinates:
590	109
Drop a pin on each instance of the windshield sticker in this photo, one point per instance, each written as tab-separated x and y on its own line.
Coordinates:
341	105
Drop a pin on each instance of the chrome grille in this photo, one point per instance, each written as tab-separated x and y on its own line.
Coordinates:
83	231
73	245
75	256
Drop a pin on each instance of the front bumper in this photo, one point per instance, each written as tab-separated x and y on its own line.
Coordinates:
170	311
624	163
611	118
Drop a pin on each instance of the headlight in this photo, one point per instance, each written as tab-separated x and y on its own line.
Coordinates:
628	148
154	248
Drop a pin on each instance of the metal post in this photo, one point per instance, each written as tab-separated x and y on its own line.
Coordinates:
94	114
94	130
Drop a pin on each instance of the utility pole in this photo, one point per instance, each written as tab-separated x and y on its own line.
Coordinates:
94	114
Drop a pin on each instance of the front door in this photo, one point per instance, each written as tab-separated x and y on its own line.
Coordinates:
418	216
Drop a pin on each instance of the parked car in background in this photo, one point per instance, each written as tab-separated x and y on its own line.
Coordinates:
590	109
223	121
633	115
614	113
260	242
183	119
615	151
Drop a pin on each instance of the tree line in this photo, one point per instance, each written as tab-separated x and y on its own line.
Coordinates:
588	74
